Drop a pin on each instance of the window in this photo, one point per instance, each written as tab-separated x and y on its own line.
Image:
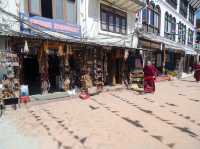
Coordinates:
117	24
71	11
170	27
113	20
183	7
151	18
191	15
173	3
181	33
190	36
22	6
46	6
59	9
35	7
104	17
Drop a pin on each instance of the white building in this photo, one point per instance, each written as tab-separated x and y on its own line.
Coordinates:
8	24
169	31
110	22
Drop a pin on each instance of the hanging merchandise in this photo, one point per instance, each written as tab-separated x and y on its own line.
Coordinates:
98	69
159	60
26	49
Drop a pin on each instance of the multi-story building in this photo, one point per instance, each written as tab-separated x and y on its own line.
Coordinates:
168	33
53	36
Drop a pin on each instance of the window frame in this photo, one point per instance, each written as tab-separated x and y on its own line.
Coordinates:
110	11
36	13
170	32
172	3
190	36
151	9
183	8
182	33
65	11
191	14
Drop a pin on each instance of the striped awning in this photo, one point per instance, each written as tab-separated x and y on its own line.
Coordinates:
195	4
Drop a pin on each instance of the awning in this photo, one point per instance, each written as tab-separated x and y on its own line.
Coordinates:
194	3
131	5
169	44
191	52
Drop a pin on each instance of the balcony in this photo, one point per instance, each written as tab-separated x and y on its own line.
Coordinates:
130	5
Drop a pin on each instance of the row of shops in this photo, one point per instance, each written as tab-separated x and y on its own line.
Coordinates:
168	56
51	66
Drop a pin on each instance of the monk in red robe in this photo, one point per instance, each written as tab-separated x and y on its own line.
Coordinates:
150	73
197	72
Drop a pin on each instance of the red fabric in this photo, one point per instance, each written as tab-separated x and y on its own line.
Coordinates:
84	95
150	73
197	72
24	99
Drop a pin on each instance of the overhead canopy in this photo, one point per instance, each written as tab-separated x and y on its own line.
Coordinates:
130	5
195	4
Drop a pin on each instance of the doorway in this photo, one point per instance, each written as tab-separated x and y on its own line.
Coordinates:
31	74
54	72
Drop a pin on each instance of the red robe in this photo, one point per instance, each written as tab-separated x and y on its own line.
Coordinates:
197	72
149	78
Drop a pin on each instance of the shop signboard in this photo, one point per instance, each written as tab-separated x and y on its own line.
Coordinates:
46	24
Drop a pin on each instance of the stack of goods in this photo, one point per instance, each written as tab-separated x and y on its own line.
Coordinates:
136	74
86	83
99	77
136	80
9	67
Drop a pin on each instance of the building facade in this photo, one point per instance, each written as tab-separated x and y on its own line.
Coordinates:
172	26
63	39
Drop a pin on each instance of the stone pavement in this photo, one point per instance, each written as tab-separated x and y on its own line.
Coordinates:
120	119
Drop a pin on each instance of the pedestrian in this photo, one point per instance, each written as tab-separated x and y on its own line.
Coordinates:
197	72
150	73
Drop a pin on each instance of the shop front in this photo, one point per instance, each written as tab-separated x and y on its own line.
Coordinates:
152	52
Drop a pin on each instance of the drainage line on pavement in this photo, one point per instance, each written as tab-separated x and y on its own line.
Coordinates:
59	122
133	123
157	117
187	118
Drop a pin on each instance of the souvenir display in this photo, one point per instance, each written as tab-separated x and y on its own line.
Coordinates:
9	67
136	74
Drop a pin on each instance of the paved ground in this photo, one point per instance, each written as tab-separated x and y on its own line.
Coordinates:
121	119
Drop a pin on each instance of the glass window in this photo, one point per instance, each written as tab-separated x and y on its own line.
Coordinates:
21	5
35	7
183	7
117	24
156	20
103	20
170	27
151	18
71	11
123	26
173	3
113	20
111	23
191	15
59	9
144	15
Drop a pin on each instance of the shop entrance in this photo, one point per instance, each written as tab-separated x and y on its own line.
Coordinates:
54	72
115	67
31	74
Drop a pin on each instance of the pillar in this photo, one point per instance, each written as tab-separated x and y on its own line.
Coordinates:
43	68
